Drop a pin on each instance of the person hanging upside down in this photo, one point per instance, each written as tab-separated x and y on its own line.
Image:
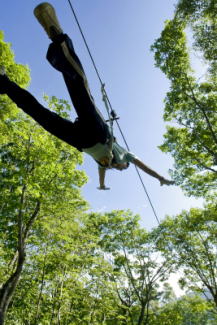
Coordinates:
89	132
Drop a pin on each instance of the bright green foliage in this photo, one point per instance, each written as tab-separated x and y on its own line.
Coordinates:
190	239
202	15
19	74
93	269
35	168
137	266
65	278
190	105
186	310
16	72
38	181
69	268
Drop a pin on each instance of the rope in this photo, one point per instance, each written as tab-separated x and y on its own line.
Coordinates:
85	42
109	106
110	120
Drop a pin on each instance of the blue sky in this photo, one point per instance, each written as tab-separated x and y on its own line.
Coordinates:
119	34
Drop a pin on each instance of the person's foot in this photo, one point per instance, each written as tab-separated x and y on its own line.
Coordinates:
165	181
46	16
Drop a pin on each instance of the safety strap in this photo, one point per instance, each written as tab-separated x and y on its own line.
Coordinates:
112	116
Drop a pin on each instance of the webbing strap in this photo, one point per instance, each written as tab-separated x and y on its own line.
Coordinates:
110	120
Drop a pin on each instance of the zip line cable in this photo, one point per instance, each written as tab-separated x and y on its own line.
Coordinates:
110	106
85	42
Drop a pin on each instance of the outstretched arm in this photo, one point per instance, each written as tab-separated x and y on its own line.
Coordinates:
102	172
151	172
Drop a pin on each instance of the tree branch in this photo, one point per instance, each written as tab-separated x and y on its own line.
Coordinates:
202	110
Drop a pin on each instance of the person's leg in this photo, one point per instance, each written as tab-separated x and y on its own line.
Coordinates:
62	57
69	64
50	121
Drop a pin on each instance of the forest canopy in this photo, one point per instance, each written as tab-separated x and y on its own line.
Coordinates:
61	263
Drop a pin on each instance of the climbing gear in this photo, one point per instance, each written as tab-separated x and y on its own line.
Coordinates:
105	162
46	15
112	116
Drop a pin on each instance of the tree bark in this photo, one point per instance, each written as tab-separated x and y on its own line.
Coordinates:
41	288
8	289
142	315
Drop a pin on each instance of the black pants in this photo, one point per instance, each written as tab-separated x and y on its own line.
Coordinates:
89	127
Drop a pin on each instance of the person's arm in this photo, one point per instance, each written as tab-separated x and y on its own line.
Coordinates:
102	172
151	172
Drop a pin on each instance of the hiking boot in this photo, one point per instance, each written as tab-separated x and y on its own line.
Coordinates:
46	15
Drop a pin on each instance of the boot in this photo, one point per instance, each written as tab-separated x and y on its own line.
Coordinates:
46	16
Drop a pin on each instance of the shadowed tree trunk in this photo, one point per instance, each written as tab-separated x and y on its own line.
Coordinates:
8	288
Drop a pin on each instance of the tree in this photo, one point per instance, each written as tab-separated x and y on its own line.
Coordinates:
201	16
137	268
187	310
38	178
190	239
190	104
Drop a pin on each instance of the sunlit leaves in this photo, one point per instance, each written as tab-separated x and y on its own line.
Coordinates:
39	181
190	104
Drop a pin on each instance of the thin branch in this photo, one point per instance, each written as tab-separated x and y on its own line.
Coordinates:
204	166
211	152
32	219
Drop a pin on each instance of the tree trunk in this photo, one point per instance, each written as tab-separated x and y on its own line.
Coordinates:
54	296
215	299
141	316
9	287
41	288
7	290
60	300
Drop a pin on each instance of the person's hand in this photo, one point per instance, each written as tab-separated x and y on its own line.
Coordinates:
165	181
103	188
2	70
